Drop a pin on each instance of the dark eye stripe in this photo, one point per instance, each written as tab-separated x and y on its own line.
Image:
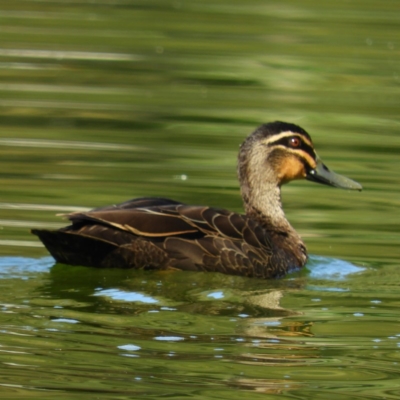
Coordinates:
304	146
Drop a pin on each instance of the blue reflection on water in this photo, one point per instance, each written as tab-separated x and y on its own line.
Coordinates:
331	268
216	295
23	267
169	338
117	294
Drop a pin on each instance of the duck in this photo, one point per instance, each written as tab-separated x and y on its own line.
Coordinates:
163	234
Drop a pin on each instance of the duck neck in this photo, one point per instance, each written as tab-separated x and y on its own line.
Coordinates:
261	195
264	204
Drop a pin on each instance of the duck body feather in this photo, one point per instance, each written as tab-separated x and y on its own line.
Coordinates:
158	233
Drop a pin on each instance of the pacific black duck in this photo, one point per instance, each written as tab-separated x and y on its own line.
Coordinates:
158	233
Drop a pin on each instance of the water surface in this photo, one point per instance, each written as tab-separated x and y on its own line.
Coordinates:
109	100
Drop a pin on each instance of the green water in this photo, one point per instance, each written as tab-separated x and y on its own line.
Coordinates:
108	100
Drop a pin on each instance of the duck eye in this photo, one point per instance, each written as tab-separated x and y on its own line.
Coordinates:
294	142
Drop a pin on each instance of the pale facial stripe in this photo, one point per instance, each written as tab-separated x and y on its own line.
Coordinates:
307	153
277	137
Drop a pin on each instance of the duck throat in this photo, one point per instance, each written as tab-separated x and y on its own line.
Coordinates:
263	204
261	193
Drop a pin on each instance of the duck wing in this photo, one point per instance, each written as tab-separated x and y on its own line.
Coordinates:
162	233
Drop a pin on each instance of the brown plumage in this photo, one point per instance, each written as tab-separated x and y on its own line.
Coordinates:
157	233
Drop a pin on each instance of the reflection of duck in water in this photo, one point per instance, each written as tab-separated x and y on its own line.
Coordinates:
158	233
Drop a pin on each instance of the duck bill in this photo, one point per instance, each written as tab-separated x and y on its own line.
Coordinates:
322	174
